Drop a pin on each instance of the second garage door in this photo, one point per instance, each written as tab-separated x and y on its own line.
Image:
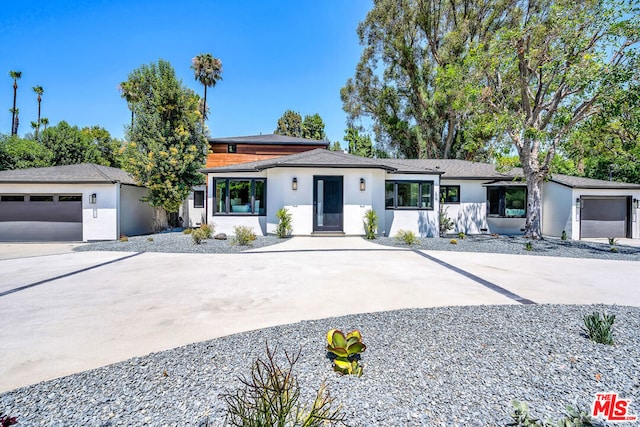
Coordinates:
40	217
604	217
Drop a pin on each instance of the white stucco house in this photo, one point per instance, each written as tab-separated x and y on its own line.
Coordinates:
71	203
328	192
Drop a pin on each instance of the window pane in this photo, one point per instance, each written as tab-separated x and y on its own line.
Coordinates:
221	195
388	191
425	200
240	196
259	201
451	193
69	198
12	198
41	198
493	195
408	194
515	201
198	199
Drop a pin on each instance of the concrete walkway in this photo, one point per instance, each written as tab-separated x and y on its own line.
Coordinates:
69	312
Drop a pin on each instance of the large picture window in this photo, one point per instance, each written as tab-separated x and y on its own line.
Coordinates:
450	193
409	194
240	196
509	202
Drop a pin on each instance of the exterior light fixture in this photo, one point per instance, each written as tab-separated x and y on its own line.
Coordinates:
294	184
635	203
578	201
93	198
362	185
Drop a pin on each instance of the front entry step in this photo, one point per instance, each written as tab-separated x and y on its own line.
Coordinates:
328	234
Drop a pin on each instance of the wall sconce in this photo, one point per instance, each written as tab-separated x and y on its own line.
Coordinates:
294	184
635	203
92	199
362	185
578	202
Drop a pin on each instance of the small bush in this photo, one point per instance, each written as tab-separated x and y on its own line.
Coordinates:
407	237
346	350
187	231
573	418
528	246
207	230
123	238
461	235
198	235
446	223
599	328
149	239
612	240
270	396
244	235
564	235
284	228
453	241
370	224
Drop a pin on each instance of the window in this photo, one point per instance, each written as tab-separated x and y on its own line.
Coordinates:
41	198
240	196
69	198
450	193
232	148
510	202
409	194
198	199
11	198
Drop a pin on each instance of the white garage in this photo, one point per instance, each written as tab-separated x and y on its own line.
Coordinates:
71	203
605	216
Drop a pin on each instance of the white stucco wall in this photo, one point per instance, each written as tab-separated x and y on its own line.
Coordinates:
576	193
192	216
136	217
557	210
470	215
423	223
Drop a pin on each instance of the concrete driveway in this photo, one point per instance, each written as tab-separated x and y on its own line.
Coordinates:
72	311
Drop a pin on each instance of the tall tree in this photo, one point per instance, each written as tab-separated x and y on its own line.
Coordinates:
129	92
109	148
546	73
313	127
45	122
208	71
357	144
166	145
290	124
19	153
15	75
39	91
410	81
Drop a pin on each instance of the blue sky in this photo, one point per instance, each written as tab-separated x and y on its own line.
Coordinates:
276	55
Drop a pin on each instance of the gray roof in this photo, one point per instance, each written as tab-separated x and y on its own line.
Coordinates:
81	173
316	158
581	182
268	139
457	169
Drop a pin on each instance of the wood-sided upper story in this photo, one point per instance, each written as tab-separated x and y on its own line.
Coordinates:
243	149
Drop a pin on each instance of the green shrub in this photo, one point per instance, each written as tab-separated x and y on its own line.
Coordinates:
149	239
564	235
370	224
244	235
528	246
198	235
207	230
187	231
461	235
407	236
453	241
599	328
270	396
346	349
573	418
613	249
446	223
284	228
612	240
123	238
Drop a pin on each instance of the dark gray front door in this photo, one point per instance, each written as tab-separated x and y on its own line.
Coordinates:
327	203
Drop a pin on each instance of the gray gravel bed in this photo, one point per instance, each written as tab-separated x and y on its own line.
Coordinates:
451	366
549	246
176	241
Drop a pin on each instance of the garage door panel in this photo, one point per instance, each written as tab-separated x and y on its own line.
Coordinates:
30	231
41	211
604	217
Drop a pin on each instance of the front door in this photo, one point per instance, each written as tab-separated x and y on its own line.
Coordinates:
327	203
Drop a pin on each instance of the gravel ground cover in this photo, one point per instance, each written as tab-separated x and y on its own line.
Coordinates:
176	241
550	246
451	366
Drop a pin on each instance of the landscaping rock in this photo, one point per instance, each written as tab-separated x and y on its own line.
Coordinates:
220	236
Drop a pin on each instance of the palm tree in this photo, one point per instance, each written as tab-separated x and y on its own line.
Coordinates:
45	122
208	71
128	91
15	75
38	90
16	121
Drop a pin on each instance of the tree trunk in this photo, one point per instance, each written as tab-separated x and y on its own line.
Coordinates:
160	220
533	224
38	127
13	111
204	107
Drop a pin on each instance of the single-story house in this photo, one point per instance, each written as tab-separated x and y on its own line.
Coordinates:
81	202
328	192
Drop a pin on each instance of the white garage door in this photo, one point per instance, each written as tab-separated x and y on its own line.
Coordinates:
40	217
604	217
